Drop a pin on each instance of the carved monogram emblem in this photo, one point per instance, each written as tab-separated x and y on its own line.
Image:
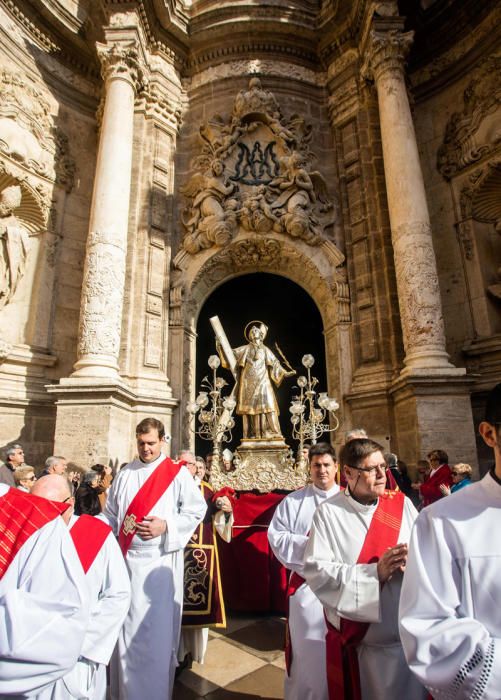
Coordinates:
256	166
129	525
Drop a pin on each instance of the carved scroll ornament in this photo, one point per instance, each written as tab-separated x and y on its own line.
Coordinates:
254	172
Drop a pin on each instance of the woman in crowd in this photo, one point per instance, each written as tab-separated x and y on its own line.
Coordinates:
461	477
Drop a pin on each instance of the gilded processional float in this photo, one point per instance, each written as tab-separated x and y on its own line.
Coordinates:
264	467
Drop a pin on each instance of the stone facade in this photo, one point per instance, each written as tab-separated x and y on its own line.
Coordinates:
151	151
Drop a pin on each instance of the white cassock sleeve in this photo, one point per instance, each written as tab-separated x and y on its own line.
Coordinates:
287	546
452	654
109	584
190	510
44	611
224	526
345	589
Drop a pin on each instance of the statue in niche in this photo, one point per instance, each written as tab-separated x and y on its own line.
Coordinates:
270	185
257	368
213	218
14	243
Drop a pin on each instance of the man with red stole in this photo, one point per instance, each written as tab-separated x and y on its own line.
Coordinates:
306	676
44	607
109	593
154	506
353	563
203	604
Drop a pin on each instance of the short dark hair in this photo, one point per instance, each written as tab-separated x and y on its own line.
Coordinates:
355	451
148	424
441	455
493	406
321	448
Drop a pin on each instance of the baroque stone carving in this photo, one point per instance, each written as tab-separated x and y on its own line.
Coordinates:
386	52
20	218
254	172
235	69
28	134
122	60
481	98
101	301
420	306
257	251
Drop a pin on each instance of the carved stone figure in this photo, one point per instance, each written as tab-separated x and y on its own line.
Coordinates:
14	243
213	217
257	369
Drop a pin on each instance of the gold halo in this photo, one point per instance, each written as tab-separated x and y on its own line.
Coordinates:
262	327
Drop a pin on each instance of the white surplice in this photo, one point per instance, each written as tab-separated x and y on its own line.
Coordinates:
109	595
288	535
449	611
353	591
146	655
43	612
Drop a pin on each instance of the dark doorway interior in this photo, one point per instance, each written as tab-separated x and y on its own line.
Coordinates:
294	323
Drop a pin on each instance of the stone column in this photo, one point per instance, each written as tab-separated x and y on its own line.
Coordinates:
104	274
415	264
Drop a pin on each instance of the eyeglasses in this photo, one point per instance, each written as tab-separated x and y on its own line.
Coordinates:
32	478
369	470
67	499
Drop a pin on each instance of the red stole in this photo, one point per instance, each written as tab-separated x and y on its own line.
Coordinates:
150	493
88	535
21	515
343	677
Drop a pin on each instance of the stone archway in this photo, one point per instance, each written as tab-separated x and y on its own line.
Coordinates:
317	269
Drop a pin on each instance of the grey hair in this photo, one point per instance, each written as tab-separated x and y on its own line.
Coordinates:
355	433
51	461
10	450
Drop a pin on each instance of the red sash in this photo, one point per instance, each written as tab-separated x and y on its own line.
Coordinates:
150	493
88	535
21	515
343	677
295	582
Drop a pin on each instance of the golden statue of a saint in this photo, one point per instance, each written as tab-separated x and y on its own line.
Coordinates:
256	368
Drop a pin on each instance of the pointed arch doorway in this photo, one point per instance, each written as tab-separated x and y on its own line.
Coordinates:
294	322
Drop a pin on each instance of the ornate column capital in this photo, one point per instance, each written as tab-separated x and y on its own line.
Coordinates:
386	52
122	61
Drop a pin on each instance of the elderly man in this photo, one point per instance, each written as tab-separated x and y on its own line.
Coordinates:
25	478
154	506
43	598
306	677
55	465
14	458
109	593
353	563
449	619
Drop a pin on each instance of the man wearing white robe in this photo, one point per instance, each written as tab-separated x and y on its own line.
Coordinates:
363	592
288	535
147	645
109	596
449	611
43	610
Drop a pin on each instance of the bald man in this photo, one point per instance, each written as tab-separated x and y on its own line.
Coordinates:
109	591
44	607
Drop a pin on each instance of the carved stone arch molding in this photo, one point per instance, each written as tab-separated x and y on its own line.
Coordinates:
318	270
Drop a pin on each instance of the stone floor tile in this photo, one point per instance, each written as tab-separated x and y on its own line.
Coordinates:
266	682
225	663
195	682
182	692
264	638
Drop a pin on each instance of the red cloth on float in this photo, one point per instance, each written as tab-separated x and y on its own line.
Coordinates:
253	579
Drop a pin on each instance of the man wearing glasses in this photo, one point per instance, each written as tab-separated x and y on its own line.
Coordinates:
449	619
354	562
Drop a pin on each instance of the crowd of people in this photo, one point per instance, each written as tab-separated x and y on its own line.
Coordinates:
383	601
